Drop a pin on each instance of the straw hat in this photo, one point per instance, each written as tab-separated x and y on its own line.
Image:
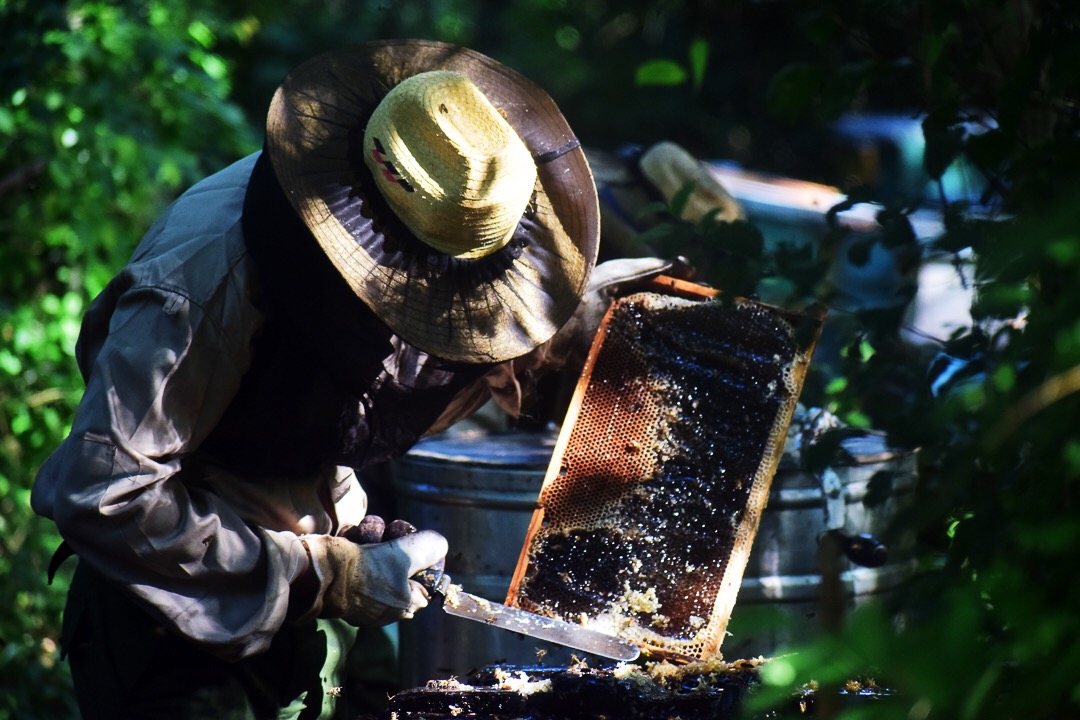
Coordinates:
446	189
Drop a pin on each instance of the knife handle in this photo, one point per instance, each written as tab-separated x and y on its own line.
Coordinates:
430	577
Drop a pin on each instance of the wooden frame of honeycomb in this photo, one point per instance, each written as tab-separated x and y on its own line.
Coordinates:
663	466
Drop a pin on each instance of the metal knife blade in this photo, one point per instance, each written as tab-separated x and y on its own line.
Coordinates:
461	604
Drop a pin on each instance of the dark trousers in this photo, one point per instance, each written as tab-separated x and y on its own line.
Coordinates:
125	665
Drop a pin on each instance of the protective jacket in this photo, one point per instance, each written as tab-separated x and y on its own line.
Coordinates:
233	385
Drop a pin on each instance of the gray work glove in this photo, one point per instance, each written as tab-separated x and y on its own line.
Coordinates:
610	279
624	276
510	383
369	585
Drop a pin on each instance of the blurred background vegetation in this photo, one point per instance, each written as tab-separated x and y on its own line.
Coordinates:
108	110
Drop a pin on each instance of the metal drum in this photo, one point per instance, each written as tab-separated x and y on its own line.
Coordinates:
778	603
479	490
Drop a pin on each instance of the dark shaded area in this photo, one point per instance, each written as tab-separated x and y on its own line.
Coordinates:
586	56
699	693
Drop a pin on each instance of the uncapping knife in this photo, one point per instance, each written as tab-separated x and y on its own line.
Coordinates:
465	605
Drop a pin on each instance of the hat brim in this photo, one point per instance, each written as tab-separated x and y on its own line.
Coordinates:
487	309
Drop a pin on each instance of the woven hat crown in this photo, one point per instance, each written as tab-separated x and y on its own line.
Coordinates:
529	182
449	164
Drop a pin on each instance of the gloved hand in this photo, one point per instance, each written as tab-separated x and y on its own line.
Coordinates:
669	167
370	584
369	530
373	529
615	278
610	279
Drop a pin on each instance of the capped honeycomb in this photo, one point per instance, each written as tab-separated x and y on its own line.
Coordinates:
663	465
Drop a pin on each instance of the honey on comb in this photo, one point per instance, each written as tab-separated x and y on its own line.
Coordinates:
647	513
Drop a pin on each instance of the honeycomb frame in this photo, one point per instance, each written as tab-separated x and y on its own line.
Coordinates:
634	533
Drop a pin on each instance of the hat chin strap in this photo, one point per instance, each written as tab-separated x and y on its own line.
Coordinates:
448	164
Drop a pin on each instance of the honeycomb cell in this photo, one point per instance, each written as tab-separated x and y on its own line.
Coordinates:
655	490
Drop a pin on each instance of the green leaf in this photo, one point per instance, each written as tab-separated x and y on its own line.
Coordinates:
1004	378
779	671
934	44
1065	250
212	65
681	198
651	209
20	423
660	72
9	362
1070	454
794	89
1001	300
7	122
699	58
201	34
568	38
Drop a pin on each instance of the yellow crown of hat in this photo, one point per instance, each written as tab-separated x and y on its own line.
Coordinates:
448	163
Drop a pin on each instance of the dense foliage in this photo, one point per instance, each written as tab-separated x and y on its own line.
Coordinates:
107	113
988	629
108	110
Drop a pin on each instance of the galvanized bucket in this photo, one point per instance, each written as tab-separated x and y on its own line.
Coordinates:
480	491
778	602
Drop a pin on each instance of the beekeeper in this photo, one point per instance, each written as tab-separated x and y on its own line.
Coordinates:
419	226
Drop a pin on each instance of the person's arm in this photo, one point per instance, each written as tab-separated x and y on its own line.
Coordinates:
159	382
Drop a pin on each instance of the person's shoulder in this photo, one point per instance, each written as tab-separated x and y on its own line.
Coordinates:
209	208
197	246
222	185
